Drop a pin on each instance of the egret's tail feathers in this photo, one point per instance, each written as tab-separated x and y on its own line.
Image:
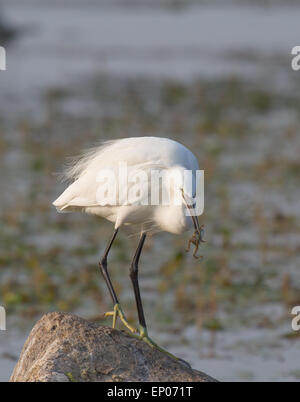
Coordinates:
61	207
76	204
62	210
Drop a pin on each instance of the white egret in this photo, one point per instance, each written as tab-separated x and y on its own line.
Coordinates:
144	155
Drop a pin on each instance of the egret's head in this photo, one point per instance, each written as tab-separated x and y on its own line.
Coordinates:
174	216
179	181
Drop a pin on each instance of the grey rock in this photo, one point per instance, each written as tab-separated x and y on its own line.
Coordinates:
63	347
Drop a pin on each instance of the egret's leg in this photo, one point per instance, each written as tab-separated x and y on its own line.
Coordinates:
135	282
117	312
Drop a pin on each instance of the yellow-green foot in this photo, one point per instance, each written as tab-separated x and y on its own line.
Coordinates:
144	337
119	313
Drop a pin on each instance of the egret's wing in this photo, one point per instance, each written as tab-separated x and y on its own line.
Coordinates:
131	187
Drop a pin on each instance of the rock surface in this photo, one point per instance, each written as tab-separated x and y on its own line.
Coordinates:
63	347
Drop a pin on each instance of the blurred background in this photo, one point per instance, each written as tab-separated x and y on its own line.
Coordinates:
214	75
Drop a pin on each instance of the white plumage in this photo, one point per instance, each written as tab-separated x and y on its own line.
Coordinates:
144	153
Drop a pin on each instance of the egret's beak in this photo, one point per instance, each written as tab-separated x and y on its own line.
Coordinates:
197	237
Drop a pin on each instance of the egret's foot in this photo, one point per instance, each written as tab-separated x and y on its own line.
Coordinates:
119	313
144	337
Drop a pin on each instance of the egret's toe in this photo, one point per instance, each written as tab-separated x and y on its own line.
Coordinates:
144	337
119	313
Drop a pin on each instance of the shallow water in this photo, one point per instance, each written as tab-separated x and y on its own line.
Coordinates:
62	44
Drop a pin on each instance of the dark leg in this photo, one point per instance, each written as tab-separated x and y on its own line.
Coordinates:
103	267
135	282
117	309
